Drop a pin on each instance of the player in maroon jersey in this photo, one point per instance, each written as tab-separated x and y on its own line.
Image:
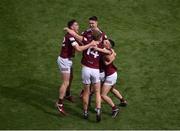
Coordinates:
113	90
110	80
64	61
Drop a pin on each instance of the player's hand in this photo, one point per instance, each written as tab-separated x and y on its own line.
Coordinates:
66	29
94	43
95	47
113	52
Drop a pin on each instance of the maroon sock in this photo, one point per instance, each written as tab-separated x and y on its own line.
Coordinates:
114	107
60	101
122	100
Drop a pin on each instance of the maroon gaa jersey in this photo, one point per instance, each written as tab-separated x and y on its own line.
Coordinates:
67	49
108	69
91	57
87	36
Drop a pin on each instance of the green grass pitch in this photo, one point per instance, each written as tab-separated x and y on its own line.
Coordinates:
147	36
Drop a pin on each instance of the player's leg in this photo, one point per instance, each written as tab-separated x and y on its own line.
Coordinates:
97	92
85	99
108	84
107	99
81	93
68	95
64	85
64	65
118	95
95	77
86	91
62	91
91	94
104	95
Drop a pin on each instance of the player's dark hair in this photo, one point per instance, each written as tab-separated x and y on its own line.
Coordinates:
70	23
94	18
96	35
112	43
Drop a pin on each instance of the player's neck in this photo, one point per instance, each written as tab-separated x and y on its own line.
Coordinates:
76	31
96	28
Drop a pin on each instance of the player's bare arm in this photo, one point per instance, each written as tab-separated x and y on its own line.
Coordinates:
113	52
104	50
110	58
84	47
74	34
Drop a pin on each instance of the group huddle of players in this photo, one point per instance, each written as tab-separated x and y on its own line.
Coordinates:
99	75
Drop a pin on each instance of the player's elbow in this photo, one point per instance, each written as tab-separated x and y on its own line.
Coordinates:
78	49
108	52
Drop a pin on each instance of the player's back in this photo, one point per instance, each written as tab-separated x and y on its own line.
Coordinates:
110	69
90	56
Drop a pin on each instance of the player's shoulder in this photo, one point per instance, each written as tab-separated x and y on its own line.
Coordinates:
103	33
69	37
87	31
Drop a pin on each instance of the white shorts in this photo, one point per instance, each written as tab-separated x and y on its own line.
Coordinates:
102	76
111	80
64	64
90	75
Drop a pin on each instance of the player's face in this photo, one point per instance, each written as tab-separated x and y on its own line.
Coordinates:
107	44
93	24
75	26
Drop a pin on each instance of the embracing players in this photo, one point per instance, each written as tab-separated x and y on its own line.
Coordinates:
90	64
109	78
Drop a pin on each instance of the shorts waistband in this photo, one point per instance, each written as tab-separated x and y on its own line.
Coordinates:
66	58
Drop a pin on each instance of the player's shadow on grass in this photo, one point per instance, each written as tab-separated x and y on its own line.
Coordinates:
38	94
32	92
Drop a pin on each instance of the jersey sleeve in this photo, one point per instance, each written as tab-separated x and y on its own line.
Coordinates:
104	36
73	41
84	40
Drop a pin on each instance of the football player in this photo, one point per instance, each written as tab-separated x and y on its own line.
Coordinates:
113	90
110	80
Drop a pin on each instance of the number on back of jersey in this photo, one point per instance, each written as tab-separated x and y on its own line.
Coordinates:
92	52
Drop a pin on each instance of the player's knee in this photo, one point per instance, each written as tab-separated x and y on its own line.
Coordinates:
85	94
103	96
97	92
66	83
